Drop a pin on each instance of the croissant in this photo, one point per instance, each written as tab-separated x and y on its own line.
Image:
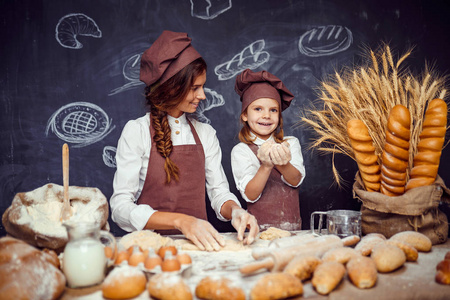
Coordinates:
394	160
431	140
365	156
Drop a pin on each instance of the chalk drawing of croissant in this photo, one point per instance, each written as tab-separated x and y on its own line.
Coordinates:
71	26
251	57
213	99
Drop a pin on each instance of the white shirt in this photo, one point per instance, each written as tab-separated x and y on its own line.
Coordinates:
133	152
245	164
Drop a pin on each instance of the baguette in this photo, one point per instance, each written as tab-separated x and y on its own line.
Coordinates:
396	152
364	153
429	148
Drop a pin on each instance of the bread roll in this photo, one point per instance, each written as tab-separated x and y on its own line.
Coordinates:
276	286
387	257
302	267
365	246
429	149
395	155
341	255
410	252
169	286
123	283
364	153
327	276
443	272
351	240
28	273
362	272
219	288
416	239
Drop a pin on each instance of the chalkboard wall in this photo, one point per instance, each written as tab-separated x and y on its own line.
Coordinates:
70	69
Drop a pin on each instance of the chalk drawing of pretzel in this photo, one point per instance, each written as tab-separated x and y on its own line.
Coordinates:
251	57
72	25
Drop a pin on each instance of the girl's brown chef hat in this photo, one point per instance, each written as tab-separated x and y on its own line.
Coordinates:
251	86
171	52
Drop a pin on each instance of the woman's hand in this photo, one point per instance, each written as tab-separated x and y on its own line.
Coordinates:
201	233
241	219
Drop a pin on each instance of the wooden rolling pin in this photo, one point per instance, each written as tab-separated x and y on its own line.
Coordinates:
278	258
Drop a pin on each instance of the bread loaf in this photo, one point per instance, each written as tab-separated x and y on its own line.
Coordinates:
395	155
429	149
28	273
416	239
362	272
169	286
341	255
302	267
364	153
276	286
387	257
124	283
443	270
219	288
327	276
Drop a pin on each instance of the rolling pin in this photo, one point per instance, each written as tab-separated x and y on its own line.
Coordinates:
278	258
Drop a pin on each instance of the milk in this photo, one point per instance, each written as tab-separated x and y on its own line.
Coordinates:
84	263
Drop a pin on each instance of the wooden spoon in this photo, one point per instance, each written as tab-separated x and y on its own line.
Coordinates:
66	210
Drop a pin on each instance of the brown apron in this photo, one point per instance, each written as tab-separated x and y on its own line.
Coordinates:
278	205
185	196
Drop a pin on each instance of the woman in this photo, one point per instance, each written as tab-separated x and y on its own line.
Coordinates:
164	159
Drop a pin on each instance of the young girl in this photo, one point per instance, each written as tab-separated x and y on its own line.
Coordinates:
164	159
267	167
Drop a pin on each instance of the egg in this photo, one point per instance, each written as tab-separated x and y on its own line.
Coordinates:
152	260
121	256
162	251
184	258
136	257
170	263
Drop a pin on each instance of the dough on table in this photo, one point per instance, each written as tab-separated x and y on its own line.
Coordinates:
231	244
145	239
274	233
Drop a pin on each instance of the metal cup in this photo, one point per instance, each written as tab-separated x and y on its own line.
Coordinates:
342	223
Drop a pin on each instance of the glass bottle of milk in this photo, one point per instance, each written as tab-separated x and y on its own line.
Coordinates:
84	260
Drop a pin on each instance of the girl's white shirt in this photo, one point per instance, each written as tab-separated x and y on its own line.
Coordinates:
245	164
132	156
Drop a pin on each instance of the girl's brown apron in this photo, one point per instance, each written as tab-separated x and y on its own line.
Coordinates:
185	196
278	205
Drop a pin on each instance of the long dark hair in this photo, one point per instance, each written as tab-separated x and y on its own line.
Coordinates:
161	98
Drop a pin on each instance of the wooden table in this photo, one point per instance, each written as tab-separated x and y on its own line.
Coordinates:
415	280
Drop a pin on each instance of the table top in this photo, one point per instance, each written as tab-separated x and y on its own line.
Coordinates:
414	280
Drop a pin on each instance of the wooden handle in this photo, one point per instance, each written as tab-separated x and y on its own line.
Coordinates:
65	156
266	263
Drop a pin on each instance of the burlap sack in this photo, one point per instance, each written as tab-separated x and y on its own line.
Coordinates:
416	210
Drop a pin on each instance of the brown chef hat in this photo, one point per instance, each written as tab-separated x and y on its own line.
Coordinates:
171	52
251	86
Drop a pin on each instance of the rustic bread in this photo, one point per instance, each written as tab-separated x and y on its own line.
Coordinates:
28	273
418	240
169	286
219	288
302	267
387	257
364	153
362	271
396	151
276	286
410	252
327	277
365	246
341	255
124	283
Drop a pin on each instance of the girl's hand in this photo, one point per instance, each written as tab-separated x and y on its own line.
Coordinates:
280	154
201	233
263	153
241	219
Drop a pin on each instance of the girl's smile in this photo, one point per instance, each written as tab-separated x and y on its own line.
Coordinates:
262	115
